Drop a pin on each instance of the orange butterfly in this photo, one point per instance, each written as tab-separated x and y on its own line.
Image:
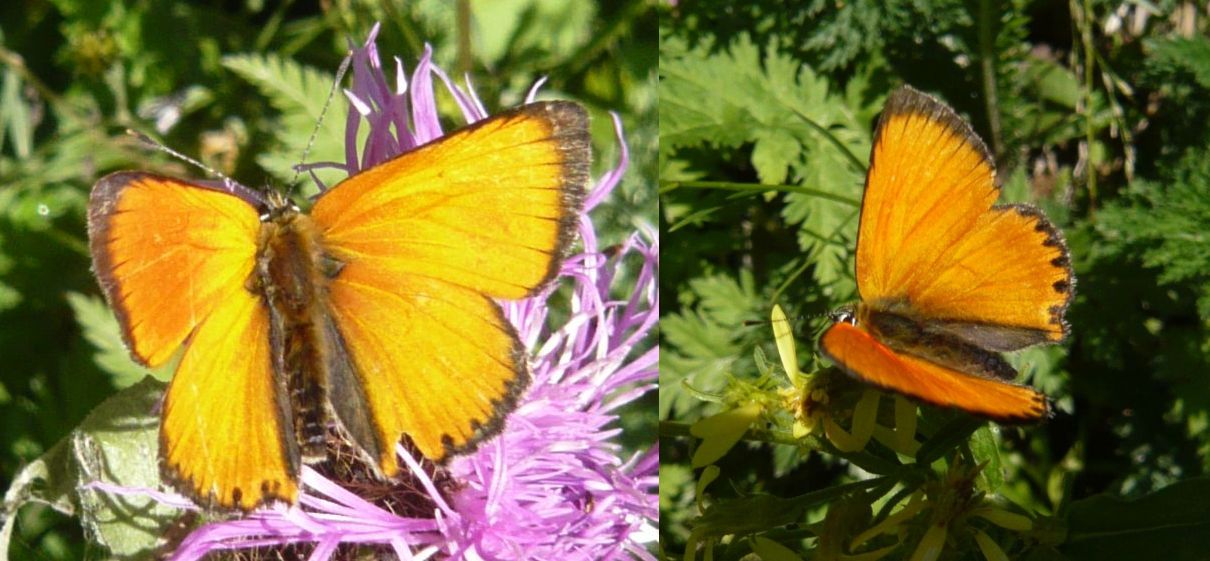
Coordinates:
375	311
948	279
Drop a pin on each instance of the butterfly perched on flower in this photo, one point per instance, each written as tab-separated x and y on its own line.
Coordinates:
948	279
373	312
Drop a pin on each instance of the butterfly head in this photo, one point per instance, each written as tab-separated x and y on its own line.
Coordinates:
276	206
844	314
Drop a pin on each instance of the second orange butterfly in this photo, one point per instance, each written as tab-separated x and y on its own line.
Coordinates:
948	279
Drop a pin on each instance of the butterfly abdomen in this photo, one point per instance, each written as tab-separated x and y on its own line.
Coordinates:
291	281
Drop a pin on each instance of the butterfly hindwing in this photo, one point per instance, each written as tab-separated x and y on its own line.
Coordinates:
857	352
441	366
427	240
225	434
173	259
1006	285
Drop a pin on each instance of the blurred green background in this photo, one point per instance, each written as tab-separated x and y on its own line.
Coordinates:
239	85
1096	111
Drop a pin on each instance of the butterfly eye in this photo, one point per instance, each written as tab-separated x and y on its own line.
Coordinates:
843	315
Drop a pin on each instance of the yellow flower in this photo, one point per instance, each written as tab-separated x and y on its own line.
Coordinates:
809	399
844	518
722	431
954	502
944	509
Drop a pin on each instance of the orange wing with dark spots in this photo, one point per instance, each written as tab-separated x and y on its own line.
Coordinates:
173	258
957	276
931	237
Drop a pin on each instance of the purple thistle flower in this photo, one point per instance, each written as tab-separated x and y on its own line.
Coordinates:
551	485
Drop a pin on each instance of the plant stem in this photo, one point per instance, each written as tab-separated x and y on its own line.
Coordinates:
987	67
1085	22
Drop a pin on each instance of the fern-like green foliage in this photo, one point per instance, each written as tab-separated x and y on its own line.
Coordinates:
1167	227
298	93
1183	55
805	142
101	329
1161	230
701	346
1177	68
799	131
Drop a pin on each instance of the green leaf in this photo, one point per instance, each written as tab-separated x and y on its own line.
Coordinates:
769	550
15	123
1172	524
771	157
676	498
1055	84
530	27
116	444
703	343
986	449
756	513
1190	55
119	444
959	428
1169	225
49	480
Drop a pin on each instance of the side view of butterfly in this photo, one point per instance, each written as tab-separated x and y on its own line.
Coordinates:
948	279
375	311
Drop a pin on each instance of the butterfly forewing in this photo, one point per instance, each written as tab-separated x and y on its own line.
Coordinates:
931	243
491	207
426	241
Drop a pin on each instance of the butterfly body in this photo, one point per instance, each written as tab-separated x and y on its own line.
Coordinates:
374	314
292	284
948	279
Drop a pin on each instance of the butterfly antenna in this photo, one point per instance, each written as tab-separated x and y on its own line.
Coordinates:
340	75
160	146
794	320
